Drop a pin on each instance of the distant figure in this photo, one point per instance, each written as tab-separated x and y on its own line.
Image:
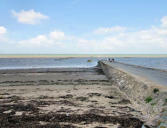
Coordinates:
111	60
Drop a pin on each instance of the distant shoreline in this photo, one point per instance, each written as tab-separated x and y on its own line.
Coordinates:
77	55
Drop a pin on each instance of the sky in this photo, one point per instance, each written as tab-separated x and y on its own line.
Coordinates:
83	26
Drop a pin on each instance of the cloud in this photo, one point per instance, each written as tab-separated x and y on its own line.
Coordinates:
2	30
29	16
114	29
106	40
36	41
164	21
54	37
123	40
57	35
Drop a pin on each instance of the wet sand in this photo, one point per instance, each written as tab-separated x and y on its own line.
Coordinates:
63	98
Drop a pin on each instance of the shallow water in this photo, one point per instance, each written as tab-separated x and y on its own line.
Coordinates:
158	63
22	63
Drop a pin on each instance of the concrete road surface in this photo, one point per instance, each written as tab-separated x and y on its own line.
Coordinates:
153	75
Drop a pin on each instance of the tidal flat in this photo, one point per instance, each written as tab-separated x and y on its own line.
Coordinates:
64	98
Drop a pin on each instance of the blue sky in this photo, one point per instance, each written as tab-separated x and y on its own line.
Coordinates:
83	26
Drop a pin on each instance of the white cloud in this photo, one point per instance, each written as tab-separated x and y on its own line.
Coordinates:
57	35
2	30
51	39
121	40
115	29
36	41
164	21
29	17
117	40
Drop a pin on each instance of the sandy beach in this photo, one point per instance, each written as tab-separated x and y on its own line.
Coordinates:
63	98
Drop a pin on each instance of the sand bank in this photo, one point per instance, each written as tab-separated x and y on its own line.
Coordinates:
77	55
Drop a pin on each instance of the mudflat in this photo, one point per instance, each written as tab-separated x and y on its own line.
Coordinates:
63	98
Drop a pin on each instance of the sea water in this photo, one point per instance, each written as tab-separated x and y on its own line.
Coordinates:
55	62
